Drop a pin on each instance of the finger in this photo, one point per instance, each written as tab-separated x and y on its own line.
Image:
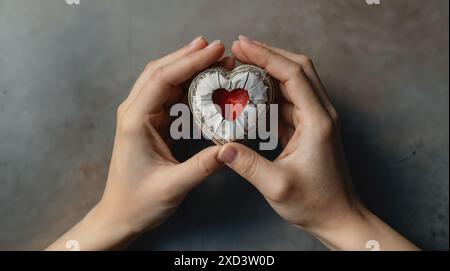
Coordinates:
179	71
251	166
238	53
225	62
157	89
240	56
195	45
310	71
197	168
290	114
291	75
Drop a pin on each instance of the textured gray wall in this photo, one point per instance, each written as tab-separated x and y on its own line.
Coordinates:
64	69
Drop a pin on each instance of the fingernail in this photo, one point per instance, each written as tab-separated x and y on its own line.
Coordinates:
196	41
227	154
235	42
245	39
214	44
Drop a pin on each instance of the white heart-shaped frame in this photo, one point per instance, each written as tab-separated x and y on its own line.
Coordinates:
208	116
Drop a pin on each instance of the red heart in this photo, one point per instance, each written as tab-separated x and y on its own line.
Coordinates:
222	97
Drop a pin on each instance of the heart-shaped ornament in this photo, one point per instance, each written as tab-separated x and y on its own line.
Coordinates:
227	105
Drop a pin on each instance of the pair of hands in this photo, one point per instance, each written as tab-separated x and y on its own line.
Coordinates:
308	185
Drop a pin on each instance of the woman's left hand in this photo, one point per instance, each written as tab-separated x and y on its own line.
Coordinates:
145	182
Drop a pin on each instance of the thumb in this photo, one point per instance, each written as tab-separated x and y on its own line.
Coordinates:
199	166
259	171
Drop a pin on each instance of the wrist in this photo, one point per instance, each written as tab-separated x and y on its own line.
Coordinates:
98	230
110	222
101	230
350	229
359	229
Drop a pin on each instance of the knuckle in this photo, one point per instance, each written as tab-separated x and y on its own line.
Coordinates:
298	71
306	61
150	65
121	108
157	75
248	166
128	125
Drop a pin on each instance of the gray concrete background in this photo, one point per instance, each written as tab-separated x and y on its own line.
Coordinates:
64	69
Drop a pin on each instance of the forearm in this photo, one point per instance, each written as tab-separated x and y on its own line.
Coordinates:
362	230
96	231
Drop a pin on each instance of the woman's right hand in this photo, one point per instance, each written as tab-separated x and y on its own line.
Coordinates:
309	184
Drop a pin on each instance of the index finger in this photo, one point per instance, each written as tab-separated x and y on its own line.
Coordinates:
295	84
310	72
197	44
168	78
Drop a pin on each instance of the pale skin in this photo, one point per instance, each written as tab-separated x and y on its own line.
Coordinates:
308	185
